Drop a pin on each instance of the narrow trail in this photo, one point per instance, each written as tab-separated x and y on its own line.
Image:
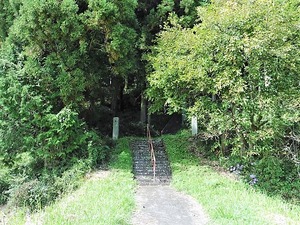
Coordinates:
156	202
162	205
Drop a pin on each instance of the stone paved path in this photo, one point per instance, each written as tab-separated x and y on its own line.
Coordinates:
162	205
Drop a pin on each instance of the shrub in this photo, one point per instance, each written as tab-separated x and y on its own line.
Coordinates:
273	174
70	179
4	185
63	137
32	194
278	176
36	193
97	149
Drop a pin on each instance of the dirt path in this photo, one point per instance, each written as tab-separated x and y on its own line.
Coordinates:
162	205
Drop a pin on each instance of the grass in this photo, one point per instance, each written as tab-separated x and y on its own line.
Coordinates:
106	197
225	200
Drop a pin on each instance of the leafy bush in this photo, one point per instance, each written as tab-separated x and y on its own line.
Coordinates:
32	194
71	178
278	176
233	71
64	134
23	164
36	193
238	72
97	149
47	83
275	175
4	184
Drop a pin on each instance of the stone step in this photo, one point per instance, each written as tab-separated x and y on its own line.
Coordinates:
157	162
150	180
148	155
149	162
142	165
150	173
157	169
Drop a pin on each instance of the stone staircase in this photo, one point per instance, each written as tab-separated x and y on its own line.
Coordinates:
142	165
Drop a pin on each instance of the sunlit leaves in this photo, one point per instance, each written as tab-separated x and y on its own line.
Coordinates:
235	70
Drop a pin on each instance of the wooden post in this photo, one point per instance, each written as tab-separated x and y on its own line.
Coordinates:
194	126
115	134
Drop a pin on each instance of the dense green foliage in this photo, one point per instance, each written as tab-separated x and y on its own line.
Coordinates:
67	67
238	72
63	64
57	60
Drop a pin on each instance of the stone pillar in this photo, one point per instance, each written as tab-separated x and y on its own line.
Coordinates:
115	134
194	126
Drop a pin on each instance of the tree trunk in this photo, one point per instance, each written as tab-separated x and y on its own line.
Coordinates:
115	84
223	144
143	109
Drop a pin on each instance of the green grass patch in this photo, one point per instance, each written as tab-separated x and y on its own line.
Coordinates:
226	200
106	197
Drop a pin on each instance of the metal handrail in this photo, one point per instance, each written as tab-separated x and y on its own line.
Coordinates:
151	148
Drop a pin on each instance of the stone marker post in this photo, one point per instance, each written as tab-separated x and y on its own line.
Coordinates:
115	134
194	126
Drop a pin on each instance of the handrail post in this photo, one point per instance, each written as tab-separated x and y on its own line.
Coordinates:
151	148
